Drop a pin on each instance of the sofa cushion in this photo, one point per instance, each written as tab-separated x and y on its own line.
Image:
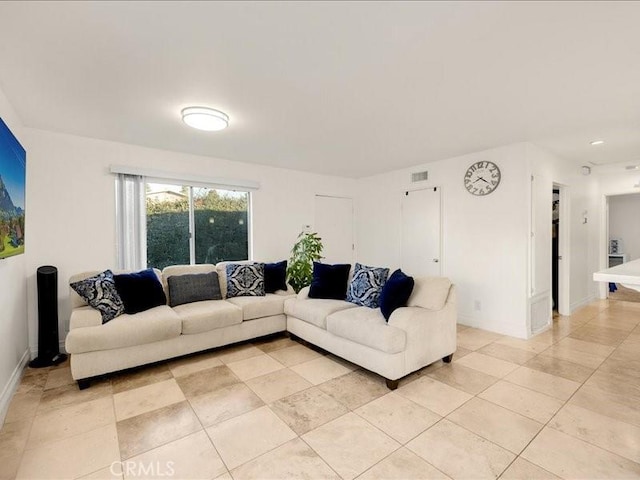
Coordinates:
430	292
153	325
245	280
208	315
395	293
314	310
329	281
194	287
100	292
140	291
368	327
366	285
258	307
275	276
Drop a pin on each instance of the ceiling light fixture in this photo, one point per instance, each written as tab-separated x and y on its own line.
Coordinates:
204	118
597	142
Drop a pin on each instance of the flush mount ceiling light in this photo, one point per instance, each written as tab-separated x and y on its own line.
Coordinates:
204	118
597	142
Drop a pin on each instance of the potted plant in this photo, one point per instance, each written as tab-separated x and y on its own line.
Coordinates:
305	251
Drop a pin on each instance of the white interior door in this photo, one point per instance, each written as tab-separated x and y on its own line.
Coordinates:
421	233
334	224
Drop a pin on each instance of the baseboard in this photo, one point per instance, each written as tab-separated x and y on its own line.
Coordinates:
585	301
12	386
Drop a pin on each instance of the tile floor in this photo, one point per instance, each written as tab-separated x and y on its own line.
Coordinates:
565	404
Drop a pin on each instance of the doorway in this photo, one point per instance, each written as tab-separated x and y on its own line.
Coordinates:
555	249
334	224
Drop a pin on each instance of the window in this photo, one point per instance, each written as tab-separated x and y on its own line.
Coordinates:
187	224
163	222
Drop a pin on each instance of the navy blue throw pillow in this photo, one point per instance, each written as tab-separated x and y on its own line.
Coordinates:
395	293
329	281
140	291
275	276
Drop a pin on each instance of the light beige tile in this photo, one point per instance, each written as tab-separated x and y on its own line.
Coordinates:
487	364
248	436
277	385
24	406
557	387
308	409
272	344
355	389
33	380
54	425
145	399
206	381
573	458
340	443
112	472
535	344
507	353
447	447
599	334
254	366
224	476
503	427
521	469
59	378
140	377
72	457
189	365
294	355
71	395
398	417
320	370
619	383
13	438
403	465
436	396
609	404
293	460
464	378
225	403
613	435
560	368
190	458
473	338
152	429
583	346
537	406
239	352
574	356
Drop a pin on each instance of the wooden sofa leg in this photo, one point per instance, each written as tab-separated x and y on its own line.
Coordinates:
84	383
447	359
392	384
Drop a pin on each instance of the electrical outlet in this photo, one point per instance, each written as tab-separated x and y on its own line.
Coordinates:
477	306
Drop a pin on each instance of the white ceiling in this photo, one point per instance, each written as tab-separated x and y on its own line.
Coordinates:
349	89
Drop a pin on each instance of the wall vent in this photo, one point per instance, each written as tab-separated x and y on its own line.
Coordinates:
419	176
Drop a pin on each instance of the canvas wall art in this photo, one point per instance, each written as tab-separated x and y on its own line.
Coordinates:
12	192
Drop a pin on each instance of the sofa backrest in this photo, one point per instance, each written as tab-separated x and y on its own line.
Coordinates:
77	301
430	292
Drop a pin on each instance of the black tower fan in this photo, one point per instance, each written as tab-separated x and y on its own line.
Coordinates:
48	343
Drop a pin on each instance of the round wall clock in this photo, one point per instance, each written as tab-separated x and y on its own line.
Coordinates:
482	178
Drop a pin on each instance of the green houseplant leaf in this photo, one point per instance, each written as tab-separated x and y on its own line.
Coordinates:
306	250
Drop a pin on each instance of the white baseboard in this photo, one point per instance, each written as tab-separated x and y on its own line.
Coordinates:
12	386
581	303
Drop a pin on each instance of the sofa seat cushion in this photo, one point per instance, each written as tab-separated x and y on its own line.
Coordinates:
315	310
368	327
198	317
153	325
258	307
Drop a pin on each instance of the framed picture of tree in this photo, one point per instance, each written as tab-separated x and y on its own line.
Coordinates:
12	193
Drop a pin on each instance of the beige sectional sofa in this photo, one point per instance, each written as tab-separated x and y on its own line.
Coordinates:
415	336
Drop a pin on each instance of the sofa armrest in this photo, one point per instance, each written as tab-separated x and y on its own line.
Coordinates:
304	293
84	317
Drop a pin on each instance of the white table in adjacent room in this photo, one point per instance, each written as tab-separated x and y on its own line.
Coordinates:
627	274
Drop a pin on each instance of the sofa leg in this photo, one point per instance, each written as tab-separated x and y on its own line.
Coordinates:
392	384
447	359
84	383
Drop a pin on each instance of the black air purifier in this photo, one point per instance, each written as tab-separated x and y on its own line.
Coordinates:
48	343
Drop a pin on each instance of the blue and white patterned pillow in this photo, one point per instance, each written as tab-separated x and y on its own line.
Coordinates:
100	293
366	285
245	280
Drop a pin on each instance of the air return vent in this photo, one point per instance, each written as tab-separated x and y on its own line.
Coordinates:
419	176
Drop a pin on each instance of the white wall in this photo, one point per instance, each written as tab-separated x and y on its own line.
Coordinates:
13	291
624	223
485	239
71	218
582	256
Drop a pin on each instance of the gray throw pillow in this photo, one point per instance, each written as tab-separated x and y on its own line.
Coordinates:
193	288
